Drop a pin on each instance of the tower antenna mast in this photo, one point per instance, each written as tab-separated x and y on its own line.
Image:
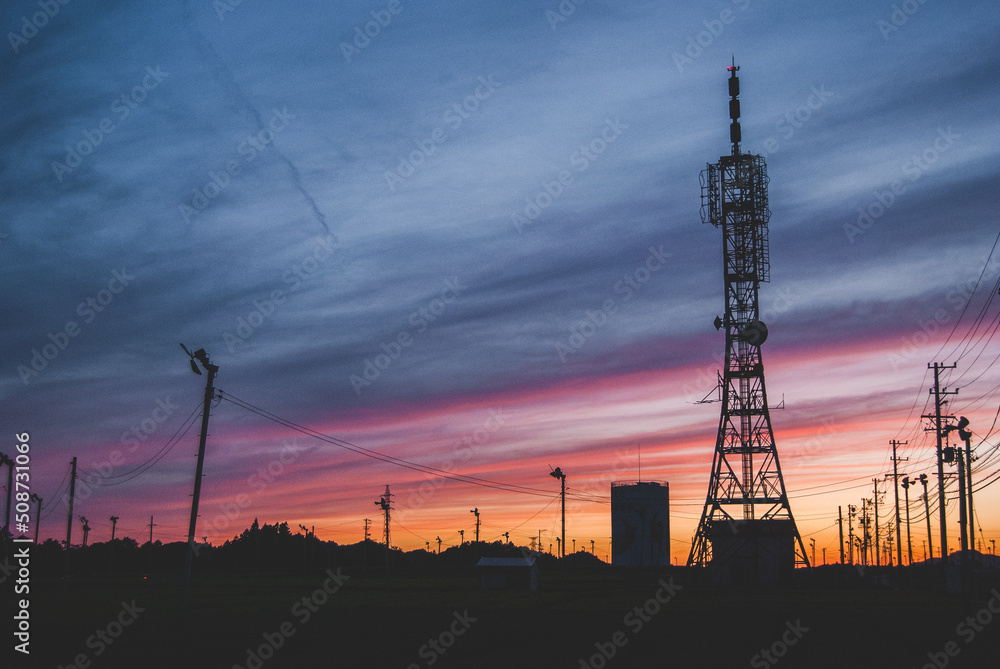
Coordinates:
746	506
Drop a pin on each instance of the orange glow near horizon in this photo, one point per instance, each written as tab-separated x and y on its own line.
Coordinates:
831	446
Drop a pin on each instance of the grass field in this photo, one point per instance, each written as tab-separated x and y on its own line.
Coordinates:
419	620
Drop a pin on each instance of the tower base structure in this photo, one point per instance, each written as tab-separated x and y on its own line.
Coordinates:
752	552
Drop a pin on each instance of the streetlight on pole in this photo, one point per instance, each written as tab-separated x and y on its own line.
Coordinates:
557	473
927	511
907	482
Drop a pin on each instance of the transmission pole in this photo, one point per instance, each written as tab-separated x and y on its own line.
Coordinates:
151	526
385	503
476	511
840	524
86	530
895	490
939	429
114	522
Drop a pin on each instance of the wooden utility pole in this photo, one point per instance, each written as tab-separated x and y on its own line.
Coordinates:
151	525
38	515
206	409
114	522
69	518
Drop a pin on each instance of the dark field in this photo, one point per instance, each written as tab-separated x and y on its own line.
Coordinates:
418	620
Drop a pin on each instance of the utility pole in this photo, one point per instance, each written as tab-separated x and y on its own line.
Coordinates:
927	512
367	521
824	556
895	490
851	511
840	525
864	525
461	533
476	511
906	491
4	460
114	522
439	545
151	526
212	370
558	474
574	545
385	503
38	515
878	544
939	429
69	518
592	547
813	542
965	435
86	530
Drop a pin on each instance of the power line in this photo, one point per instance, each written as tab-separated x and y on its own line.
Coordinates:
424	469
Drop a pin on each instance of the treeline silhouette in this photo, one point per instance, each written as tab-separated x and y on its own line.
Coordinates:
270	550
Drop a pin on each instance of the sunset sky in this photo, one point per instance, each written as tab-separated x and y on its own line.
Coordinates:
468	237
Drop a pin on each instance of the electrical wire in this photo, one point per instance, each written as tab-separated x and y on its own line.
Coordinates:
424	469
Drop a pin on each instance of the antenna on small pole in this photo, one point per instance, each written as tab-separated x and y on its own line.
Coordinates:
735	133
